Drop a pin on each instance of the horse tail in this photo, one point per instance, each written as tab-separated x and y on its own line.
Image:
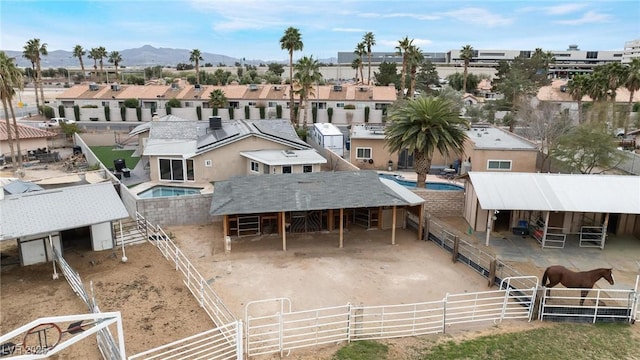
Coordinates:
545	276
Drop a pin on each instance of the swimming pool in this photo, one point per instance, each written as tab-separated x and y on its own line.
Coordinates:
430	184
167	191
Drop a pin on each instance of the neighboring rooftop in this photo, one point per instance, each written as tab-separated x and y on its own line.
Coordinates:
368	131
25	132
285	157
489	137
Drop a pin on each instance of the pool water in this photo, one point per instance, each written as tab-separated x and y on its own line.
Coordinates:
168	191
430	185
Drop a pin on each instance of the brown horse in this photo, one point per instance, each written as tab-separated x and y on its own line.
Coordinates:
575	280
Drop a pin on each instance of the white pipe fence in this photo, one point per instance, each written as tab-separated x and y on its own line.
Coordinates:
600	305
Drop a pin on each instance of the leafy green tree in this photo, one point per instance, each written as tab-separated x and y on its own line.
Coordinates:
306	77
291	41
79	52
466	54
423	126
101	53
115	58
217	99
427	75
330	114
588	149
369	40
195	57
456	81
174	103
10	79
131	103
387	74
403	46
276	68
61	110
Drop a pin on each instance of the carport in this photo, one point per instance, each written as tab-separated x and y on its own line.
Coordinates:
37	219
312	202
551	207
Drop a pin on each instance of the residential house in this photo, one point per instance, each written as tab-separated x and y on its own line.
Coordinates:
493	149
31	139
179	150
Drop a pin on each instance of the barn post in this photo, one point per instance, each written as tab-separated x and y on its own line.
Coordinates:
341	228
489	222
393	226
330	220
456	245
546	227
55	272
225	225
604	231
284	232
493	265
420	221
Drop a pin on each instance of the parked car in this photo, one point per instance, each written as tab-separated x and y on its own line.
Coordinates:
55	122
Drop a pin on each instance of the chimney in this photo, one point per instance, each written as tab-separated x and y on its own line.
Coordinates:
215	122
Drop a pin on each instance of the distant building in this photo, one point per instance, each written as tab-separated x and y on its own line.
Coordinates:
347	57
631	50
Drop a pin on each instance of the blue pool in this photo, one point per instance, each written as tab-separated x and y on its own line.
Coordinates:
167	191
430	185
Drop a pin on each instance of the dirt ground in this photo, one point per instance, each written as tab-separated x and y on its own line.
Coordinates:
156	307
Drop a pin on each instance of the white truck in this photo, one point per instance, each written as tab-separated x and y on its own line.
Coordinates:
55	122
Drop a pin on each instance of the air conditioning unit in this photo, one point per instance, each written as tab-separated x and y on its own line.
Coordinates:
363	89
93	87
175	86
197	86
115	87
277	88
253	87
337	87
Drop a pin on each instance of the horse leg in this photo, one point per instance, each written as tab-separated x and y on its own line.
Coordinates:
583	294
549	286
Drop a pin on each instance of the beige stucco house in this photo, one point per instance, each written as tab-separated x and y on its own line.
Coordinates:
30	139
183	151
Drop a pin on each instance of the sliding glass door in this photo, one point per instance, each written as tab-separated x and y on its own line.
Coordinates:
176	169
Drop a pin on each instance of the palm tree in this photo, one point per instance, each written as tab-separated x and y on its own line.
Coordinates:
355	65
632	83
369	40
115	58
360	51
291	41
32	51
466	54
29	54
195	56
577	90
217	99
403	46
10	78
101	52
307	75
94	54
79	52
423	126
414	59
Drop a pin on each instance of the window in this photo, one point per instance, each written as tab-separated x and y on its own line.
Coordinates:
363	153
286	169
234	104
592	54
272	104
251	103
339	105
255	167
307	168
499	165
188	104
176	169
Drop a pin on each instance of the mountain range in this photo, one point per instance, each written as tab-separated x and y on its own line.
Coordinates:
145	56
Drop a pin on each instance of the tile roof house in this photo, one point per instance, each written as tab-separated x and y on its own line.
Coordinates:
180	150
30	138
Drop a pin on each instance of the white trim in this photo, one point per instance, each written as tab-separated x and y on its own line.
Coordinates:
257	170
499	168
184	170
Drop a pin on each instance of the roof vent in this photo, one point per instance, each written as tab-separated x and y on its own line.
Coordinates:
93	87
215	122
479	135
115	87
277	88
289	153
175	86
253	87
337	87
363	89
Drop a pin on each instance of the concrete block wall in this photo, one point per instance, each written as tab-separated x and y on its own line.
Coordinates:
442	202
129	200
179	210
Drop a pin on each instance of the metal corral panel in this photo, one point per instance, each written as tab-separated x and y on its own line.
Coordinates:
47	211
557	192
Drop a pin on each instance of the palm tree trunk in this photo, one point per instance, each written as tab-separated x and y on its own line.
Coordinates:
422	164
369	75
291	107
306	106
17	133
9	136
35	87
82	66
39	77
361	72
580	119
402	75
629	110
464	81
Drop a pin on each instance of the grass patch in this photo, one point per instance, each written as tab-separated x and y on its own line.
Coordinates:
562	341
362	350
106	155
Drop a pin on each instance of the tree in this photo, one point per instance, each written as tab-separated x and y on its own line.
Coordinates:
101	53
456	81
614	73
32	51
401	49
217	99
388	74
79	52
306	77
427	75
360	51
423	126
466	54
578	89
115	59
588	148
276	68
414	59
369	41
195	57
10	78
94	54
356	64
291	41
632	82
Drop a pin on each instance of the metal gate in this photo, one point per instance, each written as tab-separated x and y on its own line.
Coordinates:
600	305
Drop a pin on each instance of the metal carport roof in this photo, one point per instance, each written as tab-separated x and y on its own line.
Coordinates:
59	209
308	191
557	192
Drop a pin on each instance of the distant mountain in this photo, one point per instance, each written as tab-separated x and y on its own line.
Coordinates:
146	55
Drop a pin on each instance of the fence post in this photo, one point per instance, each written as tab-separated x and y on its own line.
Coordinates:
177	256
239	335
444	313
493	265
349	323
454	253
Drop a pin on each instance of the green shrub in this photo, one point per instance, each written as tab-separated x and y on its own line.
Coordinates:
199	112
366	114
247	112
167	107
349	107
48	112
123	113
107	113
302	133
279	111
263	112
61	110
131	103
296	108
76	112
330	114
214	111
154	108
231	113
139	113
636	107
314	114
89	106
174	103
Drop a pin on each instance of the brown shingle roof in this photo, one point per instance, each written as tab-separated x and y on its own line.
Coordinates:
25	132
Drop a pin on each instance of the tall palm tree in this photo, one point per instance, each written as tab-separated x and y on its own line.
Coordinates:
466	54
306	77
578	89
195	57
632	83
29	53
403	46
217	99
291	41
414	59
423	126
115	59
79	52
360	51
369	40
33	51
10	78
94	54
101	52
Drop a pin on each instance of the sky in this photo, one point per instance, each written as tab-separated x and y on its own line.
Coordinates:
252	29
